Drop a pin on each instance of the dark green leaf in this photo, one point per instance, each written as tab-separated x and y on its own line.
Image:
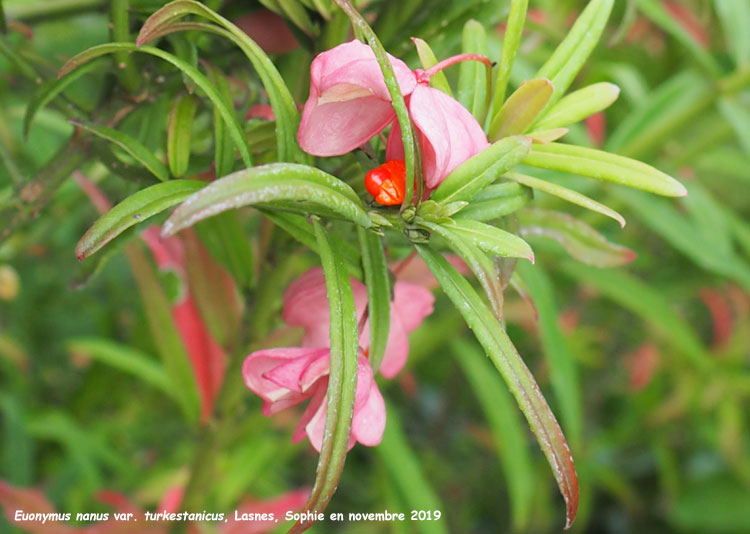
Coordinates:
282	185
519	380
133	210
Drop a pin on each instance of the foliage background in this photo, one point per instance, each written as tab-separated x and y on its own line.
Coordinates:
659	348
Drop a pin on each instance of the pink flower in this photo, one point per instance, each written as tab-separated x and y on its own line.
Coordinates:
285	377
306	305
288	376
349	104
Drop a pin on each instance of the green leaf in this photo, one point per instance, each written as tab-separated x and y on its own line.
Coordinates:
169	344
735	19
603	166
568	58
282	185
493	240
563	373
521	109
130	145
179	132
342	379
17	446
227	114
48	91
656	12
411	155
282	102
477	172
473	77
511	42
223	148
578	105
123	358
519	380
495	201
507	430
574	197
480	264
403	467
377	280
427	59
578	238
133	210
646	302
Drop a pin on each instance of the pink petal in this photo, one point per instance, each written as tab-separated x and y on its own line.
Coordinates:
397	349
411	304
310	423
368	423
349	102
261	362
290	375
447	133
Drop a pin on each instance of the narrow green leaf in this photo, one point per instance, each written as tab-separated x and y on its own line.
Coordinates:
282	185
397	100
133	210
647	303
521	109
513	32
507	430
223	148
377	280
476	173
656	12
171	349
578	105
123	358
574	197
227	114
130	145
473	77
563	66
406	473
493	240
563	373
519	380
295	11
495	201
179	132
577	238
480	264
17	457
544	137
342	381
282	102
603	166
428	59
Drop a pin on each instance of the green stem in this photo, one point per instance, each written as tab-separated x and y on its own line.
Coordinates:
127	73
